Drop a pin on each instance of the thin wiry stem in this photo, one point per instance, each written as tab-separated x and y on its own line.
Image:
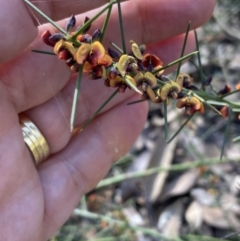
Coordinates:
236	139
183	48
121	27
135	102
174	62
133	87
75	98
226	132
90	21
42	52
181	127
95	216
165	119
117	47
45	17
99	109
199	58
175	167
106	22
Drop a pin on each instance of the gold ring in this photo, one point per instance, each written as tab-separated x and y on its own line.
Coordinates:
34	140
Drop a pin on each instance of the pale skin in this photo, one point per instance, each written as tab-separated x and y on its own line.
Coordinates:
35	202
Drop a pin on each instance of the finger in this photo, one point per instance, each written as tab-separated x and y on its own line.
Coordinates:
18	29
86	160
20	185
158	20
20	21
53	117
47	75
60	9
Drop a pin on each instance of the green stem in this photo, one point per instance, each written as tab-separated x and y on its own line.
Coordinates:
230	93
99	109
135	102
46	17
199	56
121	27
191	237
183	48
236	139
75	98
226	132
42	52
106	22
219	101
154	170
165	119
118	238
174	62
130	84
86	25
95	216
116	47
181	127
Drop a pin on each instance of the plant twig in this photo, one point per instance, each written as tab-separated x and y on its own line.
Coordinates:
42	52
45	16
75	98
183	48
95	216
174	62
121	27
106	22
176	167
99	109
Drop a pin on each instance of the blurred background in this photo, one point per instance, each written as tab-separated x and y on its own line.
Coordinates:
181	190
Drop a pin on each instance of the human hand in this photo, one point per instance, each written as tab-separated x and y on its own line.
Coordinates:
35	202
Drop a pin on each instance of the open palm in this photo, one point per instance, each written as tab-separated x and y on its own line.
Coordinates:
35	202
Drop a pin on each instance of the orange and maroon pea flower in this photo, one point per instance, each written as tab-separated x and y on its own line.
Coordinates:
151	62
149	93
112	78
90	52
115	80
169	90
136	50
84	38
191	105
87	38
64	49
120	83
51	39
105	61
144	80
224	111
124	63
237	86
97	71
184	80
225	90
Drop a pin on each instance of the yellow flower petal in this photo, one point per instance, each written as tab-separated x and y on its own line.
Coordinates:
61	45
136	50
82	53
97	50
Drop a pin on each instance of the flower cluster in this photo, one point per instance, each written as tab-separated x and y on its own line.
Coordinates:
136	70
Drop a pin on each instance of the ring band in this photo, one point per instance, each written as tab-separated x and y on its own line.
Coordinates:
34	140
